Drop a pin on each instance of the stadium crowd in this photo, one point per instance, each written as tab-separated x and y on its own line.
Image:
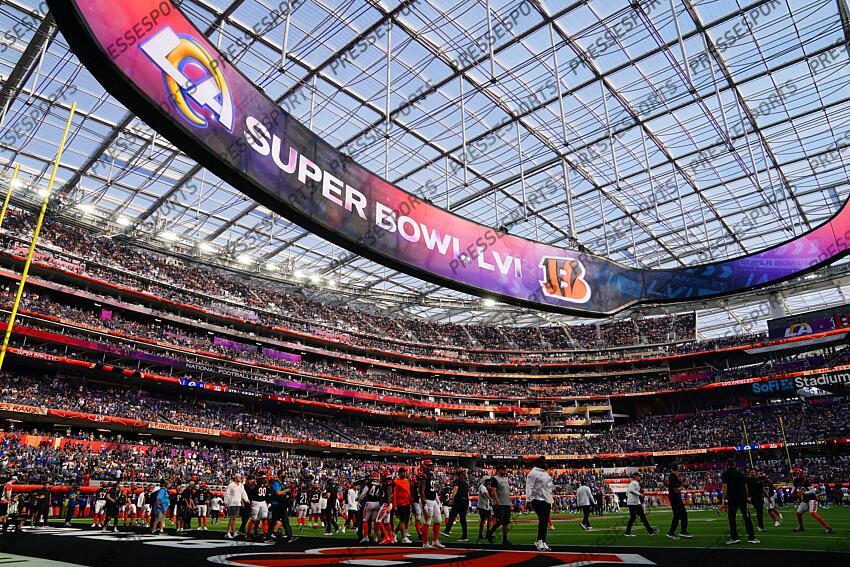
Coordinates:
146	484
805	422
359	378
191	283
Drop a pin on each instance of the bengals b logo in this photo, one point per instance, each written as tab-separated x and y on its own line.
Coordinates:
563	279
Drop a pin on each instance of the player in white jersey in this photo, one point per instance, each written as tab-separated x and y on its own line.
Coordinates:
143	508
129	510
215	509
351	507
99	507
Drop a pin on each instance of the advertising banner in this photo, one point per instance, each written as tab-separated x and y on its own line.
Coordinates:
783	329
18	408
96	418
184	428
153	59
816	321
280	355
233	345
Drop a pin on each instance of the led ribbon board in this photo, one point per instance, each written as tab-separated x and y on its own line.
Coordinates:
149	56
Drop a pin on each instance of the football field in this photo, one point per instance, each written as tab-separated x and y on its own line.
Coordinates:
82	546
709	530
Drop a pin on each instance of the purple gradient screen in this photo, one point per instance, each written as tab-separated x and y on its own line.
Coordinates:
473	256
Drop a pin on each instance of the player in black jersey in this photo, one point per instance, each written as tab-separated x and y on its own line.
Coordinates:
770	500
176	507
245	511
302	506
680	514
260	495
315	508
459	500
755	492
331	499
202	500
384	520
190	500
252	491
281	505
150	502
430	507
373	496
305	475
127	506
416	504
113	502
446	501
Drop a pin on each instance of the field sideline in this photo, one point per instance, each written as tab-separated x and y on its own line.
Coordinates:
708	528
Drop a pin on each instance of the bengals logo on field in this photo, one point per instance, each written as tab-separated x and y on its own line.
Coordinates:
563	279
432	557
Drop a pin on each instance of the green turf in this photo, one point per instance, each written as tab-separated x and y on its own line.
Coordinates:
708	528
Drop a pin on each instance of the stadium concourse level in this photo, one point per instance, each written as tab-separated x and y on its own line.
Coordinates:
189	359
822	424
193	284
87	322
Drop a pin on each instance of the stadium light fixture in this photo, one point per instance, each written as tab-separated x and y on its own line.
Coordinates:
86	208
298	274
271	266
123	221
43	192
488	302
205	246
244	259
168	235
315	278
17	184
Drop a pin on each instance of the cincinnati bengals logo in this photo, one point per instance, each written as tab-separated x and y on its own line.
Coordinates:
563	279
411	556
193	78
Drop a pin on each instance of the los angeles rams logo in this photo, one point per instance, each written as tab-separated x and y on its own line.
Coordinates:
798	330
193	78
563	279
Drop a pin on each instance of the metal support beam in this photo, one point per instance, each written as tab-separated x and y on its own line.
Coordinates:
23	69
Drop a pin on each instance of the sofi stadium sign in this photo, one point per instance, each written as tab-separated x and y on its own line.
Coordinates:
831	379
149	56
794	384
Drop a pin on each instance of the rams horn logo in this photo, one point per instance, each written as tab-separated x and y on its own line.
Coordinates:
563	279
193	78
798	330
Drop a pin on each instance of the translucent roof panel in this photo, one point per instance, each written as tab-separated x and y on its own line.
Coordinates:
687	135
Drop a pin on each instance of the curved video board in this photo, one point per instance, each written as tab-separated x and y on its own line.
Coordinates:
149	56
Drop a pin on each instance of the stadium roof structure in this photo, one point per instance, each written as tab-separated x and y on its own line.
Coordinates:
683	132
